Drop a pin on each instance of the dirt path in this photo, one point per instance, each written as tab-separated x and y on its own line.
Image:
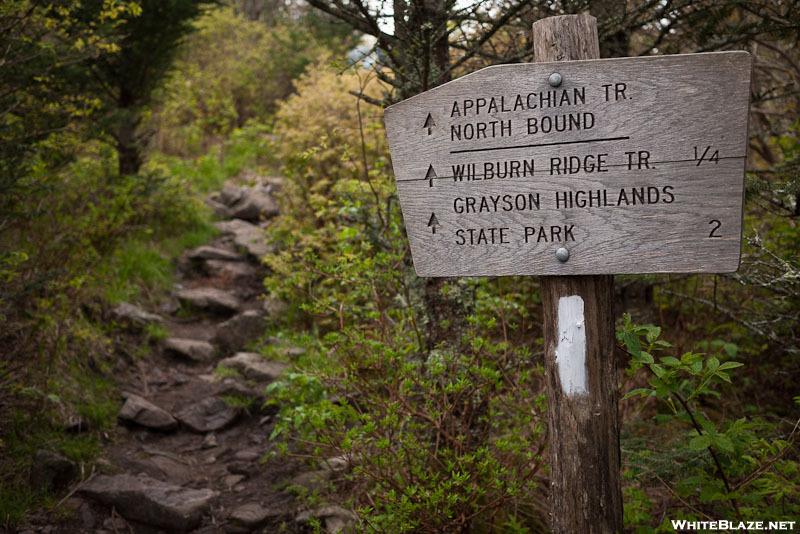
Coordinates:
189	453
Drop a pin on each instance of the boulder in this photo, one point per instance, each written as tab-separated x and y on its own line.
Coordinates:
151	501
191	349
170	470
274	307
142	412
337	463
231	194
248	455
238	272
252	515
247	236
253	204
239	330
313	480
254	366
208	415
335	518
218	208
133	317
51	471
230	387
254	241
209	299
214	253
232	227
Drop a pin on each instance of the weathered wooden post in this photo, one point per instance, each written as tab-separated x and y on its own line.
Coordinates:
579	354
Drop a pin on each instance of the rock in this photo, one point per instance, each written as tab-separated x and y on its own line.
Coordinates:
150	501
239	330
115	524
180	379
171	471
210	299
142	412
170	306
337	523
253	515
233	226
335	518
88	519
233	388
247	455
218	208
254	241
238	272
214	253
254	204
313	480
192	349
209	441
294	352
247	236
232	480
133	317
51	471
274	307
337	463
253	366
208	415
231	194
240	468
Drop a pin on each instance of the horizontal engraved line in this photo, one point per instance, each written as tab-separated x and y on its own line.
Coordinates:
521	178
582	141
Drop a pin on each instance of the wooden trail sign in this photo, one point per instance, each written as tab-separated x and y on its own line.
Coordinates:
632	165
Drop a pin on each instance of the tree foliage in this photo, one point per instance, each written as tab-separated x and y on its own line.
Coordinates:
124	82
44	47
231	71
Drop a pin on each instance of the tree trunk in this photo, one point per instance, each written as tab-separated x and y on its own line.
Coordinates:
128	149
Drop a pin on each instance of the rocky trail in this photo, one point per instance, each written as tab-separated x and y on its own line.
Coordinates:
189	453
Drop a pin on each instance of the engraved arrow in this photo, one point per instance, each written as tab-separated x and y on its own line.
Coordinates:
429	124
430	176
433	223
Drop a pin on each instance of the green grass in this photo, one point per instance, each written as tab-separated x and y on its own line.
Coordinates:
137	264
21	443
226	372
143	263
238	402
156	332
247	148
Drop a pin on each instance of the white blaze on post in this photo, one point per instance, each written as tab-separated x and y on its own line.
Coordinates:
571	349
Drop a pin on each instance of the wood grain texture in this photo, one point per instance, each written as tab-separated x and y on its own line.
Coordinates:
583	429
678	122
585	486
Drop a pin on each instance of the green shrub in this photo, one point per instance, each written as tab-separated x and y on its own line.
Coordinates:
446	441
449	440
715	464
247	149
